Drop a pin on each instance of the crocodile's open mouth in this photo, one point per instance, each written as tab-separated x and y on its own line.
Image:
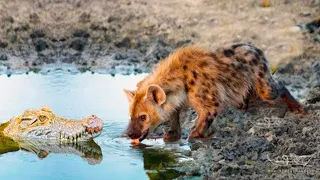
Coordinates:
144	135
92	127
87	133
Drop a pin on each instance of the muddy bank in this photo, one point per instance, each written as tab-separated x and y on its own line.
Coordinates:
131	36
267	141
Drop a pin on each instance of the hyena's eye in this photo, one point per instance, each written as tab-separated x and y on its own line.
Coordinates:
143	117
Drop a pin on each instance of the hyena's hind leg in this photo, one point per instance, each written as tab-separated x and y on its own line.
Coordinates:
293	104
204	121
268	90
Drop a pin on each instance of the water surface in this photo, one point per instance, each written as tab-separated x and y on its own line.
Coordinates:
77	96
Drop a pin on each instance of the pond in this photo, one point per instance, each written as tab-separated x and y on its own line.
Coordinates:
77	95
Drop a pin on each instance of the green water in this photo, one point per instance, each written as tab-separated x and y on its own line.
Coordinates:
77	96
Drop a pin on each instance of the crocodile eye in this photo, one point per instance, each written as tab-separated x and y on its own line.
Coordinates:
42	118
143	117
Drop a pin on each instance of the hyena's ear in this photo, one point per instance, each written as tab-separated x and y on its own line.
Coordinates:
156	94
129	94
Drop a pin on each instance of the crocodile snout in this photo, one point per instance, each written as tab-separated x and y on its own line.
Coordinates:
93	124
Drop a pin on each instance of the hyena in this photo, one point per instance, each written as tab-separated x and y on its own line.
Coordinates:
206	81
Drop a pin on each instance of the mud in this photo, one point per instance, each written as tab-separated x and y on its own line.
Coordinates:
265	142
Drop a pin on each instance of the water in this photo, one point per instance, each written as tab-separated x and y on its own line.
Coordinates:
77	96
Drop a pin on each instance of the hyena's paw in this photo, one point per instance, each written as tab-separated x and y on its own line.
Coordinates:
195	136
297	109
195	133
171	136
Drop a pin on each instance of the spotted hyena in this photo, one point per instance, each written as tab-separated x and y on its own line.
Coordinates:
206	81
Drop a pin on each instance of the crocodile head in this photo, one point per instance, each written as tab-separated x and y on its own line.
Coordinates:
44	124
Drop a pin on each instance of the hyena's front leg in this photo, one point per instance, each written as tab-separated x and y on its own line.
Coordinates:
174	132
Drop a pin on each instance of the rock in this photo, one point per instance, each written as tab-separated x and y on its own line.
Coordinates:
313	95
38	33
161	53
264	156
3	57
24	27
216	155
313	26
82	62
84	18
9	19
315	78
81	33
120	56
107	38
78	44
40	45
125	43
34	18
111	18
44	59
95	26
3	44
288	69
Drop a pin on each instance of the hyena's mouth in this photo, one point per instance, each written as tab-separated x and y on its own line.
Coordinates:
144	135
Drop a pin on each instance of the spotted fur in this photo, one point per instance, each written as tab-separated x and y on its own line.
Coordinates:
205	80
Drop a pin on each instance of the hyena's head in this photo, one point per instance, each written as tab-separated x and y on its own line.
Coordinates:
146	111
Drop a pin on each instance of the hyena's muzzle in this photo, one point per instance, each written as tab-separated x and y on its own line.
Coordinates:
134	130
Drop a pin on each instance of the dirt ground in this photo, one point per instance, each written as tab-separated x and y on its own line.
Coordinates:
131	36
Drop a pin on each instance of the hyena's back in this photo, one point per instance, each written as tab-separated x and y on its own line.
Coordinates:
214	80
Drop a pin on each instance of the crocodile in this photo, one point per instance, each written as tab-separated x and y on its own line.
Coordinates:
44	124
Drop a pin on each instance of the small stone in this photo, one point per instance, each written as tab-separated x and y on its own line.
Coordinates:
9	19
3	57
37	34
81	33
306	129
120	56
40	45
3	44
95	26
125	42
84	18
269	136
313	95
34	18
264	156
78	44
111	18
251	131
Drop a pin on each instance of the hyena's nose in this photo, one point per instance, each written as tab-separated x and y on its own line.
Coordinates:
132	134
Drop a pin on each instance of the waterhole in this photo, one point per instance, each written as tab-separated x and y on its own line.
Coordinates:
76	96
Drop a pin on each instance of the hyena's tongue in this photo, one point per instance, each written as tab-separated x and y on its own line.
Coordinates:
135	141
144	135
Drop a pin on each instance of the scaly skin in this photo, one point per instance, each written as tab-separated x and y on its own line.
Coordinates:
44	124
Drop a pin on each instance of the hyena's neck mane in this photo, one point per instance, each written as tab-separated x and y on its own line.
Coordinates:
170	76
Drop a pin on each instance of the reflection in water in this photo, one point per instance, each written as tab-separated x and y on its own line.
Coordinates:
160	164
168	161
88	150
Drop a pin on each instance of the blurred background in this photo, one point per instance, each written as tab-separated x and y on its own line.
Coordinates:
102	35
